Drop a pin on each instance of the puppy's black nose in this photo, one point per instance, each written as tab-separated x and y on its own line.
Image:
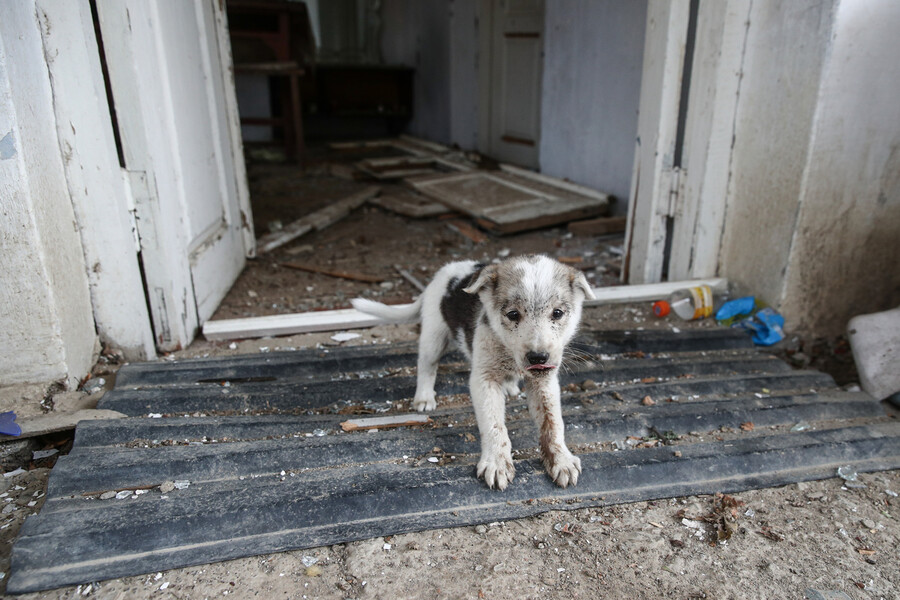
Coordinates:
537	358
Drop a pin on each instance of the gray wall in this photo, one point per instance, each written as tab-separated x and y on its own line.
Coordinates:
593	56
416	33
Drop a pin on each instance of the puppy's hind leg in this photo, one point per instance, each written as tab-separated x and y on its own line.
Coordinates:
432	343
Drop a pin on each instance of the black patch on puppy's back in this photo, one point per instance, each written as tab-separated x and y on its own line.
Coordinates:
460	309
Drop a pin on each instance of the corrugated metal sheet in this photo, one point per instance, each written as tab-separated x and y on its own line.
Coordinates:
258	438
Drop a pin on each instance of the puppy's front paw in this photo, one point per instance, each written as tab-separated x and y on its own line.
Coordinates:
497	470
563	468
423	402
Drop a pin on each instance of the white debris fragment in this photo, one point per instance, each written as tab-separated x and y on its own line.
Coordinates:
155	415
309	561
386	547
39	454
18	471
164	585
182	485
345	336
123	494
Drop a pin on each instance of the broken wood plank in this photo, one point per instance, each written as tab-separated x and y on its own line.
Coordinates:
361	144
408	276
398	167
554	181
289	324
385	422
650	291
600	226
344	171
410	204
466	230
509	203
317	220
333	273
58	421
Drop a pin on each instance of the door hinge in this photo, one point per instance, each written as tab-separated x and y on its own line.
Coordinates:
677	177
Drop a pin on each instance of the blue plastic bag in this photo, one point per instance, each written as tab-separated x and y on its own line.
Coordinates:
8	426
736	308
767	327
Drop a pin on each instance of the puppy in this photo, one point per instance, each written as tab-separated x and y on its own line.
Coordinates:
513	321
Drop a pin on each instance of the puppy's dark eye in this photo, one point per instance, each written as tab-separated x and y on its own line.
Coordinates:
513	316
557	314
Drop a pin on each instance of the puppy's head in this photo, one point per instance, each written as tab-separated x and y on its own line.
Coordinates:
533	305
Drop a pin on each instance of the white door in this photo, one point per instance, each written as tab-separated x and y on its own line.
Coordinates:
169	64
514	80
693	57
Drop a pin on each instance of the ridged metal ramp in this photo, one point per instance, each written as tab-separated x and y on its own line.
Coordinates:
260	463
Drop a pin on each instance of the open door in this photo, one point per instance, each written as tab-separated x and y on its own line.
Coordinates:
690	89
511	85
171	86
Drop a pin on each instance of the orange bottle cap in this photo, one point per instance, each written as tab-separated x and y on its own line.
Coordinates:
661	308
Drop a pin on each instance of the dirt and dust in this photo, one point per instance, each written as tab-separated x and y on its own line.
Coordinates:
769	543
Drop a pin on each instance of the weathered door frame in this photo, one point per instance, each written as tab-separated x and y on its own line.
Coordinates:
140	85
680	181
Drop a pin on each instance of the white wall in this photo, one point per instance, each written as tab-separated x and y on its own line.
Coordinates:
46	327
593	53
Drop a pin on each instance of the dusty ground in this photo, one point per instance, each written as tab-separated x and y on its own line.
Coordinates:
820	535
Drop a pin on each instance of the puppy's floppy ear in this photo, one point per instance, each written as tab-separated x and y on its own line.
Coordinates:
488	275
579	281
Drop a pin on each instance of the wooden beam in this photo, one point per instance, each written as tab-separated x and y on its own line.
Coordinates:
318	220
332	273
289	324
601	226
385	422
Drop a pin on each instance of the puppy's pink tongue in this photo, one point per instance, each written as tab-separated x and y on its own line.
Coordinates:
539	367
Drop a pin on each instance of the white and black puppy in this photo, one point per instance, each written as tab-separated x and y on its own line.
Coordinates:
513	320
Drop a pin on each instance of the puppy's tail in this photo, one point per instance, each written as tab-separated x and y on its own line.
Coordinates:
399	313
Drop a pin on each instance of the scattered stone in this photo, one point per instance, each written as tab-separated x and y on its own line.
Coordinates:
869	524
589	384
95	384
108	495
167	486
648	401
314	571
480	529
